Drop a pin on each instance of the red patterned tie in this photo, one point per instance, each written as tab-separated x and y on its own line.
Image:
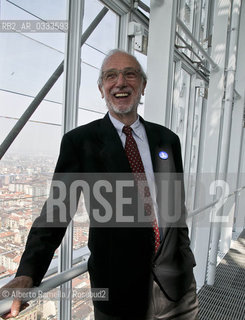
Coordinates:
138	170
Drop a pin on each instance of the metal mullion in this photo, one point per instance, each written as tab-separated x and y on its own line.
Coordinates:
226	126
200	159
160	61
240	105
72	72
194	154
191	108
189	144
123	42
186	113
175	93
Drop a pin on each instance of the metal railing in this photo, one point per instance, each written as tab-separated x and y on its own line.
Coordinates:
199	210
48	285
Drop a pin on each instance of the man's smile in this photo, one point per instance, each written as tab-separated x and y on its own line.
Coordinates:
122	94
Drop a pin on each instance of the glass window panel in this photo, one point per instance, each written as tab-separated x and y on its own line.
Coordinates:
32	10
25	173
186	12
33	139
92	57
101	41
89	95
27	68
14	105
26	62
204	22
82	304
85	116
104	37
46	9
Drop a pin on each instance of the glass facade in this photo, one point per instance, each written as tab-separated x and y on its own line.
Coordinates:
28	58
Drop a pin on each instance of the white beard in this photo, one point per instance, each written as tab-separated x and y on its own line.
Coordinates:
128	110
111	106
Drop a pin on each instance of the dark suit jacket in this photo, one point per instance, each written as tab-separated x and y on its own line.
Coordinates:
122	257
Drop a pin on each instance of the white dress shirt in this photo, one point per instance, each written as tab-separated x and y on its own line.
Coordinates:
139	134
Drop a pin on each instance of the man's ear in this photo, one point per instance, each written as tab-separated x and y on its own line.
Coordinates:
143	88
101	91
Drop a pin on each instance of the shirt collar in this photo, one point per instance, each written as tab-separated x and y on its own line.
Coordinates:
137	126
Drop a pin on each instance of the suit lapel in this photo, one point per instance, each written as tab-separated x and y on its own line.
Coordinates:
153	141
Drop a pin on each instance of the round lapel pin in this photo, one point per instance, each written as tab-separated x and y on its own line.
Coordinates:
163	155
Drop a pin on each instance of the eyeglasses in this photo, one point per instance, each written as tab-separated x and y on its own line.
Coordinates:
129	74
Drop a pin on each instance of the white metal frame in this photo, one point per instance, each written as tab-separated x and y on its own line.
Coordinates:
207	164
160	60
239	132
226	131
72	75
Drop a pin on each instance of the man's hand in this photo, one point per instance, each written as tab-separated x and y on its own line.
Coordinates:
17	283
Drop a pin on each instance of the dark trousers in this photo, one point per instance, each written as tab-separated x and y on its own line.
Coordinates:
161	308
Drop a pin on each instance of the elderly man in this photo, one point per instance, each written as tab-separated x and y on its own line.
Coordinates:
147	267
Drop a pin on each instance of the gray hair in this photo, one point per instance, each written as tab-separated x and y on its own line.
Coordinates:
111	53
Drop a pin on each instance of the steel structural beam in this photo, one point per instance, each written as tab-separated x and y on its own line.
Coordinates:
72	76
45	90
72	65
233	114
160	60
197	44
